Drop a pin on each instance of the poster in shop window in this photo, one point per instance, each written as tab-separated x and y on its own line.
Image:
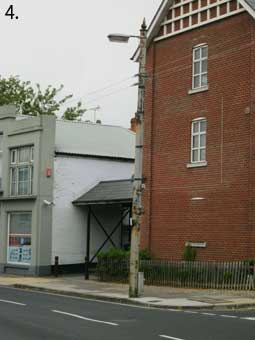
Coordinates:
26	254
14	254
20	254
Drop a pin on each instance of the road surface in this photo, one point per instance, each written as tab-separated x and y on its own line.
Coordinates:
26	315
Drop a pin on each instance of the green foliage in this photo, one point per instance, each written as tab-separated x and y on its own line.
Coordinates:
123	254
251	262
145	254
114	253
227	276
189	253
33	101
113	265
74	113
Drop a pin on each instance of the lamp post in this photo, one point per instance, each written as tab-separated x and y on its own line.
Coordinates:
137	208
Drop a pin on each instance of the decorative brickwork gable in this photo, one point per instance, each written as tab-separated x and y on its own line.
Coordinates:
186	15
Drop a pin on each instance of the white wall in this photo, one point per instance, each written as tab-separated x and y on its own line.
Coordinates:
73	177
109	217
1	166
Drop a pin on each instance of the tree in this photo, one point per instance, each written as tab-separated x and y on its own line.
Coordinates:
33	101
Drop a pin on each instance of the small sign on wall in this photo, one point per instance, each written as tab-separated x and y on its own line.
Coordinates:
196	244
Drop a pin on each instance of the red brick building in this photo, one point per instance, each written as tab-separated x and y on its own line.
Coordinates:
199	155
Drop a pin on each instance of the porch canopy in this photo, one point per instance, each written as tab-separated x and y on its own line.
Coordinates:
106	193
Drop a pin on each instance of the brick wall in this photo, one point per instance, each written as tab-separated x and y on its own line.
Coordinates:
225	219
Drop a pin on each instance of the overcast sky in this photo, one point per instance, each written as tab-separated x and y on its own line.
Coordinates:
64	42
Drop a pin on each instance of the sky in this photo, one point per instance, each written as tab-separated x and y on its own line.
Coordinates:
65	42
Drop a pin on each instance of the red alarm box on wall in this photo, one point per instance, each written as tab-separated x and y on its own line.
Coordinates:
48	172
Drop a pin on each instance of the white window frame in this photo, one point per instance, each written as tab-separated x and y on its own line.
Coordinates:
200	60
16	164
8	236
199	134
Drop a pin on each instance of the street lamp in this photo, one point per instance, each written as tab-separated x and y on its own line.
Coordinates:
137	208
121	38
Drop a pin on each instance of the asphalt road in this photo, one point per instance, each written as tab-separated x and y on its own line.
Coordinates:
30	315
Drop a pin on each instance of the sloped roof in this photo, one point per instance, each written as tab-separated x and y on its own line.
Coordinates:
249	6
155	24
251	3
107	192
87	139
158	18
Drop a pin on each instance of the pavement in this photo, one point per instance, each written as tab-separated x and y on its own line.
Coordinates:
157	297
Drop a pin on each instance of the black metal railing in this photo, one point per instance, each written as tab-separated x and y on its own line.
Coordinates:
195	274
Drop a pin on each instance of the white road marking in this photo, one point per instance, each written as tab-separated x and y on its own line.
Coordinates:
169	337
190	312
210	314
83	318
13	302
229	316
250	319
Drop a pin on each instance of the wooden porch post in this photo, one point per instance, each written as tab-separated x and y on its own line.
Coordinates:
87	259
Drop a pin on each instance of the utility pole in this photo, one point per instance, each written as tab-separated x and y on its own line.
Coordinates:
138	186
137	208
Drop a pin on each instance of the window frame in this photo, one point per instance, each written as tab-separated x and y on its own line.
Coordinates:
17	165
199	133
200	60
8	237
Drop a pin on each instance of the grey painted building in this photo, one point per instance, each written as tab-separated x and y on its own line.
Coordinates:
45	166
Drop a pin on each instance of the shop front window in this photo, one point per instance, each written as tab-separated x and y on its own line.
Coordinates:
19	238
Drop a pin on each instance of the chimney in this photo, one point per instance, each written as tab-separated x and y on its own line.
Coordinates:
133	124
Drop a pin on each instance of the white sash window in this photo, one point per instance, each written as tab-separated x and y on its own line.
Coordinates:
200	65
198	141
21	171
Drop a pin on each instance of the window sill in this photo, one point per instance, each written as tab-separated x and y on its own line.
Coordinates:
18	198
196	165
200	89
17	265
